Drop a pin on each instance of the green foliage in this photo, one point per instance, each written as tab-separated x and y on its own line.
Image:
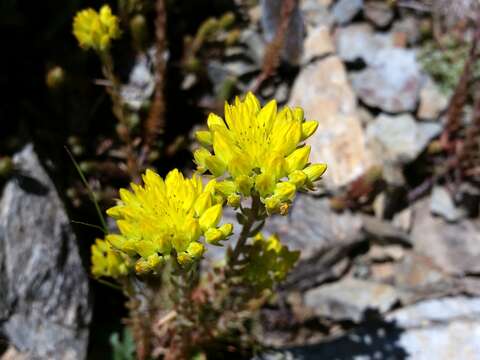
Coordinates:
445	62
123	348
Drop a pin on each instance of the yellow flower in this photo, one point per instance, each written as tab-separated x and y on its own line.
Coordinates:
259	149
107	261
96	30
165	217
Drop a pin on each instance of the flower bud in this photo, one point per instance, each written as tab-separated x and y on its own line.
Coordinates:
195	250
265	184
55	77
226	229
284	207
6	166
154	260
200	155
211	217
244	184
213	236
298	159
233	200
314	172
285	191
297	178
272	204
226	187
308	128
215	165
142	266
139	30
204	137
226	20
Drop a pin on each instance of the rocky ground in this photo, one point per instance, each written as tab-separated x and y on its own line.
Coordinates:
399	280
386	272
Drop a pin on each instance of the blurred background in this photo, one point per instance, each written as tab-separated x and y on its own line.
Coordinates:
390	242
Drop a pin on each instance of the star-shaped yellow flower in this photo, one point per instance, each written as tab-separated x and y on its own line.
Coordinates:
259	149
165	217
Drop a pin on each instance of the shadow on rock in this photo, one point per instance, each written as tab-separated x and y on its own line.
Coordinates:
374	338
31	185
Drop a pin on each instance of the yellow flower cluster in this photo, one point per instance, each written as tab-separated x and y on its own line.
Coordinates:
269	262
107	261
259	150
167	217
96	30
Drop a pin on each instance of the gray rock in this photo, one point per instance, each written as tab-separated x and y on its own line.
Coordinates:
281	93
432	101
453	247
216	71
442	329
317	13
379	13
441	203
255	45
392	82
383	232
323	91
410	26
436	312
400	139
345	10
141	82
271	18
360	42
312	226
239	68
350	298
45	296
318	44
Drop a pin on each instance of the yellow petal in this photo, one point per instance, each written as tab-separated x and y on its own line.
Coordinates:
211	217
203	202
215	120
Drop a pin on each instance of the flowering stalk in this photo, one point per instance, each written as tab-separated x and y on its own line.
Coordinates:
96	30
165	225
118	108
254	214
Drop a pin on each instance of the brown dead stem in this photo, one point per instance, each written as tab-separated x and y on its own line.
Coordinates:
155	123
271	59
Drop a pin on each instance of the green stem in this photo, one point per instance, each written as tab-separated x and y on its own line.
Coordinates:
252	217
